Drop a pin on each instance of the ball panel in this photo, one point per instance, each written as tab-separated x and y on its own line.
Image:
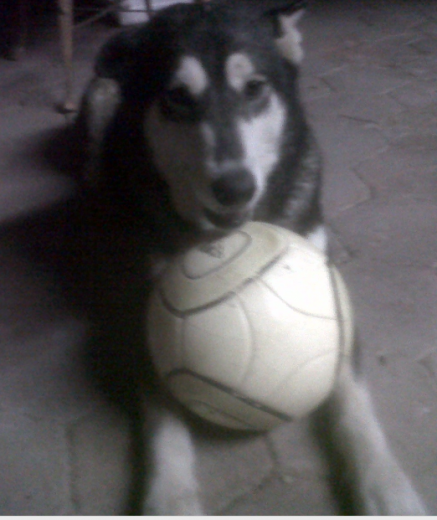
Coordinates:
301	279
284	340
220	406
187	294
307	387
164	332
218	342
204	260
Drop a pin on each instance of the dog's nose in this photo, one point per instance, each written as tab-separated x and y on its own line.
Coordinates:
234	188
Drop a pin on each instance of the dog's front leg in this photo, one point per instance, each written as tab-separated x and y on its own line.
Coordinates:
382	485
173	488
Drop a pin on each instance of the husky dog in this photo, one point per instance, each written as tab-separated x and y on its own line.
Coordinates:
193	126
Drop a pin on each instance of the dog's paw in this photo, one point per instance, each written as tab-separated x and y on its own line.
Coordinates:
179	501
387	491
173	487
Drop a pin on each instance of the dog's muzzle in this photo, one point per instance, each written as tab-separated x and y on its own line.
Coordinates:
228	221
232	191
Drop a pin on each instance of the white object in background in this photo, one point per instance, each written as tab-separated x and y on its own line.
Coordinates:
135	11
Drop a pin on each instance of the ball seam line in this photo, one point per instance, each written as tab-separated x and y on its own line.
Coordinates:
230	391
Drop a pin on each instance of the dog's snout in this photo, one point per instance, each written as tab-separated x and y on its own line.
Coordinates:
234	188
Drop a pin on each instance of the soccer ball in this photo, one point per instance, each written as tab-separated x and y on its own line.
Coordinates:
249	331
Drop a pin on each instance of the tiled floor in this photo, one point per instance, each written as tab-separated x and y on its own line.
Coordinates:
370	85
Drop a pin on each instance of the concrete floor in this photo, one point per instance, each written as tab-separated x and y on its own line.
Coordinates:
369	83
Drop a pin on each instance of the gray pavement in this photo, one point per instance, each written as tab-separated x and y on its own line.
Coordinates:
370	83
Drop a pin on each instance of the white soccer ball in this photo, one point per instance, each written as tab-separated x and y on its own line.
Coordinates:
249	331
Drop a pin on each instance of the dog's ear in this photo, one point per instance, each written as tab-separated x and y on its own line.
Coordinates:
285	16
289	41
117	55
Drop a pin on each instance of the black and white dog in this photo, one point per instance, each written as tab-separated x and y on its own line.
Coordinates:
193	126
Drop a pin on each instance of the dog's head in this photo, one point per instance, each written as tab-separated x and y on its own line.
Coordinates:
216	87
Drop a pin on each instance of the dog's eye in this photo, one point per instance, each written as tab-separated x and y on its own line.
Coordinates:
178	103
179	97
254	89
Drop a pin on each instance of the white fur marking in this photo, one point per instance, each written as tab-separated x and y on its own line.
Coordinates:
261	137
192	75
209	136
101	101
173	488
290	43
238	69
318	238
383	485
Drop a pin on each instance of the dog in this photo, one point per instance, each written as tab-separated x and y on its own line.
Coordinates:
192	126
